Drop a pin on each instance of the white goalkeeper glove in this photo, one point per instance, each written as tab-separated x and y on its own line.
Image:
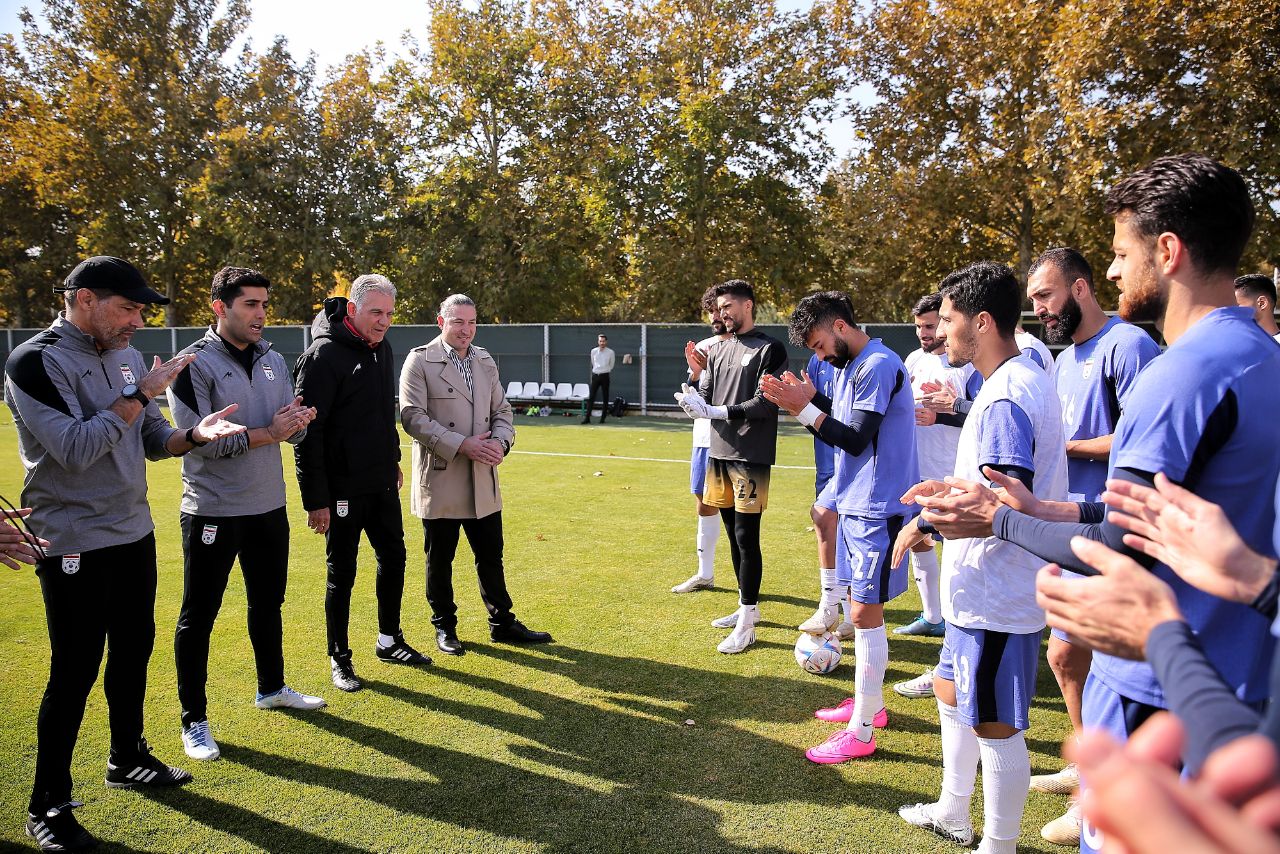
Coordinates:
695	407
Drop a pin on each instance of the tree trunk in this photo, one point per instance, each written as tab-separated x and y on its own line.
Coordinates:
1026	235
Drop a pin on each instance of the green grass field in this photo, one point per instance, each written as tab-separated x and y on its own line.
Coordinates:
578	746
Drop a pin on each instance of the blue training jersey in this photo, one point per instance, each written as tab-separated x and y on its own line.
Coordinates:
822	375
1205	414
1095	379
869	484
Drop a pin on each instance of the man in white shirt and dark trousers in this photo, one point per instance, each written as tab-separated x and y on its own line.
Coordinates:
602	360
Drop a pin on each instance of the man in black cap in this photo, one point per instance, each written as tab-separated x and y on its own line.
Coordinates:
83	402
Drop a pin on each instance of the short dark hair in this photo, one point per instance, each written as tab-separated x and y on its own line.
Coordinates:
230	281
926	304
736	288
1066	261
1203	202
1257	285
602	335
986	286
819	311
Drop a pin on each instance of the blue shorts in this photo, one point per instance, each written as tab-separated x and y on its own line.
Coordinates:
1118	716
820	482
698	471
994	673
863	550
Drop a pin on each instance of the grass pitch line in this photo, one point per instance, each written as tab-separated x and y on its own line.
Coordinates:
632	459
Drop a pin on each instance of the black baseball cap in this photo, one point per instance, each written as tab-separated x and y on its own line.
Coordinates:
105	273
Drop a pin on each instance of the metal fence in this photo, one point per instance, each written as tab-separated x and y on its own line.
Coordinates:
650	365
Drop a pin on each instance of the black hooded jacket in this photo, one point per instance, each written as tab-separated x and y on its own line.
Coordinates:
353	446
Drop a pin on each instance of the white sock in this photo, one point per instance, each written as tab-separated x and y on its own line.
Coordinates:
830	592
748	616
845	604
959	765
385	641
708	534
924	566
1006	776
871	652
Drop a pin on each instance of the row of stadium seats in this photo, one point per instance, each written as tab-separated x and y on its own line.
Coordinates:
562	392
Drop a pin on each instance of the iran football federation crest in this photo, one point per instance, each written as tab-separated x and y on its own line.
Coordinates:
209	534
342	509
127	373
266	369
71	564
1088	368
746	358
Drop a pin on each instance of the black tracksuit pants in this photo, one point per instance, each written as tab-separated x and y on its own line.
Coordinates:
378	516
210	546
102	597
440	541
599	381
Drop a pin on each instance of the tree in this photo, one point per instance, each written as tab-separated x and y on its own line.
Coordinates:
130	91
722	103
1142	78
965	153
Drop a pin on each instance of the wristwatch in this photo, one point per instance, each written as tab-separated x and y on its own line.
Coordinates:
134	393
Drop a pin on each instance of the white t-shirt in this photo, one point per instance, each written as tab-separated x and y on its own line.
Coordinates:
1027	341
936	444
1016	420
702	426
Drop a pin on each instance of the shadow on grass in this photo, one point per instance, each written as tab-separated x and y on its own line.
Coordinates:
249	826
485	794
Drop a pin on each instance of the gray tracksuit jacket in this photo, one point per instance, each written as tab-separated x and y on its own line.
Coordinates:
86	479
227	477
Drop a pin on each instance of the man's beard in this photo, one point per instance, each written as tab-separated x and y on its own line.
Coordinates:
1068	321
956	357
1142	302
717	327
930	345
841	356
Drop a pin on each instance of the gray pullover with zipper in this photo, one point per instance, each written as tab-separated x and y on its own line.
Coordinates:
227	477
86	478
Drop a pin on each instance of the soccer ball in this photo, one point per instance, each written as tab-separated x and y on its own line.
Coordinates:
818	653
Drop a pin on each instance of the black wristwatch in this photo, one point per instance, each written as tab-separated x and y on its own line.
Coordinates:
192	440
132	392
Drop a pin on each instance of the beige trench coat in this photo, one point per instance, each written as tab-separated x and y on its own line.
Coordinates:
438	412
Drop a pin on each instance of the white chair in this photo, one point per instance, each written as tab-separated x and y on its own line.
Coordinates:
580	391
564	391
530	391
547	390
514	388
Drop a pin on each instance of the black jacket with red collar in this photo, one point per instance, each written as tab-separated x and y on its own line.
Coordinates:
353	445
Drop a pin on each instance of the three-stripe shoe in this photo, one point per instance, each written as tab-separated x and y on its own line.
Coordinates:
142	769
56	829
401	653
287	698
